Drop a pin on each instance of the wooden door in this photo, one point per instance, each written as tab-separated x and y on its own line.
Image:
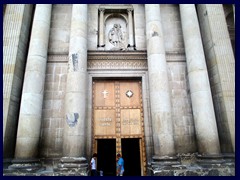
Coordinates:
118	113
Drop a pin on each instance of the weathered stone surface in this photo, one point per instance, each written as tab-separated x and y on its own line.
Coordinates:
73	159
188	165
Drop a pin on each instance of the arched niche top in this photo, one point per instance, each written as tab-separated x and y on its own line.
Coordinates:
118	15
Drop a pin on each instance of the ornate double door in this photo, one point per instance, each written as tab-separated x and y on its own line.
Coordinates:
118	125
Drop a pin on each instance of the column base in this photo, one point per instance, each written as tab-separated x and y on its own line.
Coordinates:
229	157
131	47
101	47
161	163
72	166
7	162
193	164
23	166
216	161
209	160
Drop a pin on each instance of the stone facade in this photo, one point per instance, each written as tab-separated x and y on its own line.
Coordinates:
184	90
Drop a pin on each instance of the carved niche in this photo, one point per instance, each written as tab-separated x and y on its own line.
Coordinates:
116	30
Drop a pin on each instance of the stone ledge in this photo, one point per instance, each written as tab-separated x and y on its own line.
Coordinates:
73	165
196	172
73	160
25	165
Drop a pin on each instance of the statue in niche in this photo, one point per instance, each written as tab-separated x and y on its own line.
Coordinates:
115	36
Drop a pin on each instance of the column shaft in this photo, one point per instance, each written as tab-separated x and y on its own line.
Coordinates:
221	65
32	95
130	28
75	98
202	105
15	47
158	84
101	27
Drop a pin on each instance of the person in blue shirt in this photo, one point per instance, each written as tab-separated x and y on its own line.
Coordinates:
93	165
120	165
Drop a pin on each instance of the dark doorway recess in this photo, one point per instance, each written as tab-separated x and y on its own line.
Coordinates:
131	156
106	161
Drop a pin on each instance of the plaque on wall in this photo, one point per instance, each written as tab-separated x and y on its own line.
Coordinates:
130	122
104	124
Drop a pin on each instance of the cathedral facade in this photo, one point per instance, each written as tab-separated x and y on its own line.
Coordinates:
153	82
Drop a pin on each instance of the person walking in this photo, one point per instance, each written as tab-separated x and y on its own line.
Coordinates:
93	165
120	165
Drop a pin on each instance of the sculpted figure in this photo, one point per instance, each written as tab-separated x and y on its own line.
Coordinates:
115	36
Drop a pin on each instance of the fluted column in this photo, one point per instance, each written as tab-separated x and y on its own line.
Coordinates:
221	65
130	28
15	47
158	84
202	105
75	98
29	123
101	28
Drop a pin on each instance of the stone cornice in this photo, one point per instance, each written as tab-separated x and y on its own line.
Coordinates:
117	56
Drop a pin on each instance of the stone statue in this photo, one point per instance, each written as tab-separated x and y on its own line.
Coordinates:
116	37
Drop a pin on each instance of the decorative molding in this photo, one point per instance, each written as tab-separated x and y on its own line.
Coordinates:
108	60
116	64
117	55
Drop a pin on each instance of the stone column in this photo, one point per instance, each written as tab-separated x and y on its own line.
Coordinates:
202	105
160	98
130	29
75	98
29	123
221	65
74	136
101	28
15	48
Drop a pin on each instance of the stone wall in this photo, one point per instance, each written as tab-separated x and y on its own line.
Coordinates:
172	30
53	109
184	132
53	106
60	29
139	25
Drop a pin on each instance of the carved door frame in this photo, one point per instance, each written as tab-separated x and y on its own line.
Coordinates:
120	65
142	76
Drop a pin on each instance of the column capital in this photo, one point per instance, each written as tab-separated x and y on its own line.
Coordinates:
101	10
129	10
